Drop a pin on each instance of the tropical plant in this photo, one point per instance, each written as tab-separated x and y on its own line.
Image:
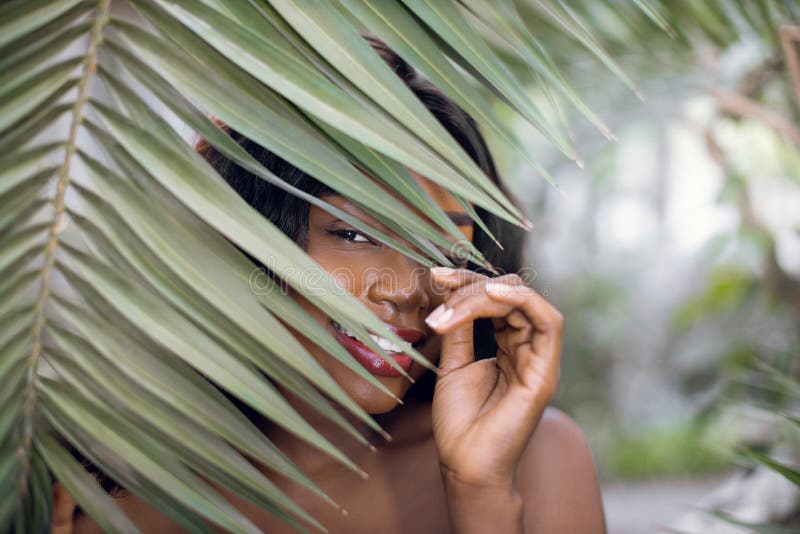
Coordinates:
127	303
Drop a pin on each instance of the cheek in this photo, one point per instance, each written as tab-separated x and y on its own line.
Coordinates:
346	278
311	310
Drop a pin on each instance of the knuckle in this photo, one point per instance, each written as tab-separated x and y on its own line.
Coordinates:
511	279
557	319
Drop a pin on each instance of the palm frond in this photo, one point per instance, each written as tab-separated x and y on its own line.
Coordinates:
126	299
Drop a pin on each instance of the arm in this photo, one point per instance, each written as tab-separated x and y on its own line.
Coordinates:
478	510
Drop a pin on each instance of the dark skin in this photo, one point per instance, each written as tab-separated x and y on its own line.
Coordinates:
486	456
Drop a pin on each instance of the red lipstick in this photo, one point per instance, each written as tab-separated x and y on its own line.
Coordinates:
373	362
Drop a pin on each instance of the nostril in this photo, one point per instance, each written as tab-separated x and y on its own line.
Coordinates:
402	300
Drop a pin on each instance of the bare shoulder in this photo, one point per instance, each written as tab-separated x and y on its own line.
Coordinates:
556	430
557	479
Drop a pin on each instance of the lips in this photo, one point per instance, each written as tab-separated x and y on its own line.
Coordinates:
373	362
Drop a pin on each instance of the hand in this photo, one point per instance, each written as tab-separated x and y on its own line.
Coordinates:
485	411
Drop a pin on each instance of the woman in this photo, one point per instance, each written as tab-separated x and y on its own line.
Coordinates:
474	450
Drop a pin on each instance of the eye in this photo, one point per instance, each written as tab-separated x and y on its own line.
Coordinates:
457	261
348	234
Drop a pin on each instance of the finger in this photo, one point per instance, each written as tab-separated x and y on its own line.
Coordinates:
63	510
448	279
545	318
465	285
504	302
458	349
447	318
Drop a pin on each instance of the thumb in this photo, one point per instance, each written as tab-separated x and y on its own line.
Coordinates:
458	349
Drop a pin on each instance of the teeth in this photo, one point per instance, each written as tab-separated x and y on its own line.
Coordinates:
383	343
342	329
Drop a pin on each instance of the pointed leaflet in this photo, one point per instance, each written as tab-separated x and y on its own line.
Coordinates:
22	207
195	301
112	464
653	14
83	487
183	338
409	188
340	43
24	192
205	279
172	331
56	29
23	16
790	473
502	18
152	460
18	243
569	20
233	151
214	248
342	50
207	455
14	71
32	124
279	66
190	238
14	165
447	24
191	180
262	19
401	31
266	119
259	114
16	102
175	383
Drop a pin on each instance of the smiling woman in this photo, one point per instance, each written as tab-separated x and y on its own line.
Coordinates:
474	449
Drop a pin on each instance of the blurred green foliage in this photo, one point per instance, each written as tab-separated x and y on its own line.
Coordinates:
678	449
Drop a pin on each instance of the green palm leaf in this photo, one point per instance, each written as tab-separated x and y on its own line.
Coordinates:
124	296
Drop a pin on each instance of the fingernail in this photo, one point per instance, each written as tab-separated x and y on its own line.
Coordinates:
495	288
435	314
442	271
441	319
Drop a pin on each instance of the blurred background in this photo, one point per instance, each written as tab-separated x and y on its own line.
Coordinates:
674	255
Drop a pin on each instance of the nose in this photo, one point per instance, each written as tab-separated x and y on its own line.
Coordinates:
401	284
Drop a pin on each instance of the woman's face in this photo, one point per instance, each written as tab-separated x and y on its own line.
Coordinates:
396	288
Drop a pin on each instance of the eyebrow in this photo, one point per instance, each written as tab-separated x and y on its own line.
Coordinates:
459	218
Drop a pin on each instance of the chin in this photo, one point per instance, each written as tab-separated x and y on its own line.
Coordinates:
383	405
373	401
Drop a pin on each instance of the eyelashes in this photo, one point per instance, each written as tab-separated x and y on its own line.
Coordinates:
352	235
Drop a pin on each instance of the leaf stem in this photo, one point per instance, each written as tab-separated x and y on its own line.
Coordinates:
57	226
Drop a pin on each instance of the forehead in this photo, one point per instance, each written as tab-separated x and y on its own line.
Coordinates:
442	196
437	193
